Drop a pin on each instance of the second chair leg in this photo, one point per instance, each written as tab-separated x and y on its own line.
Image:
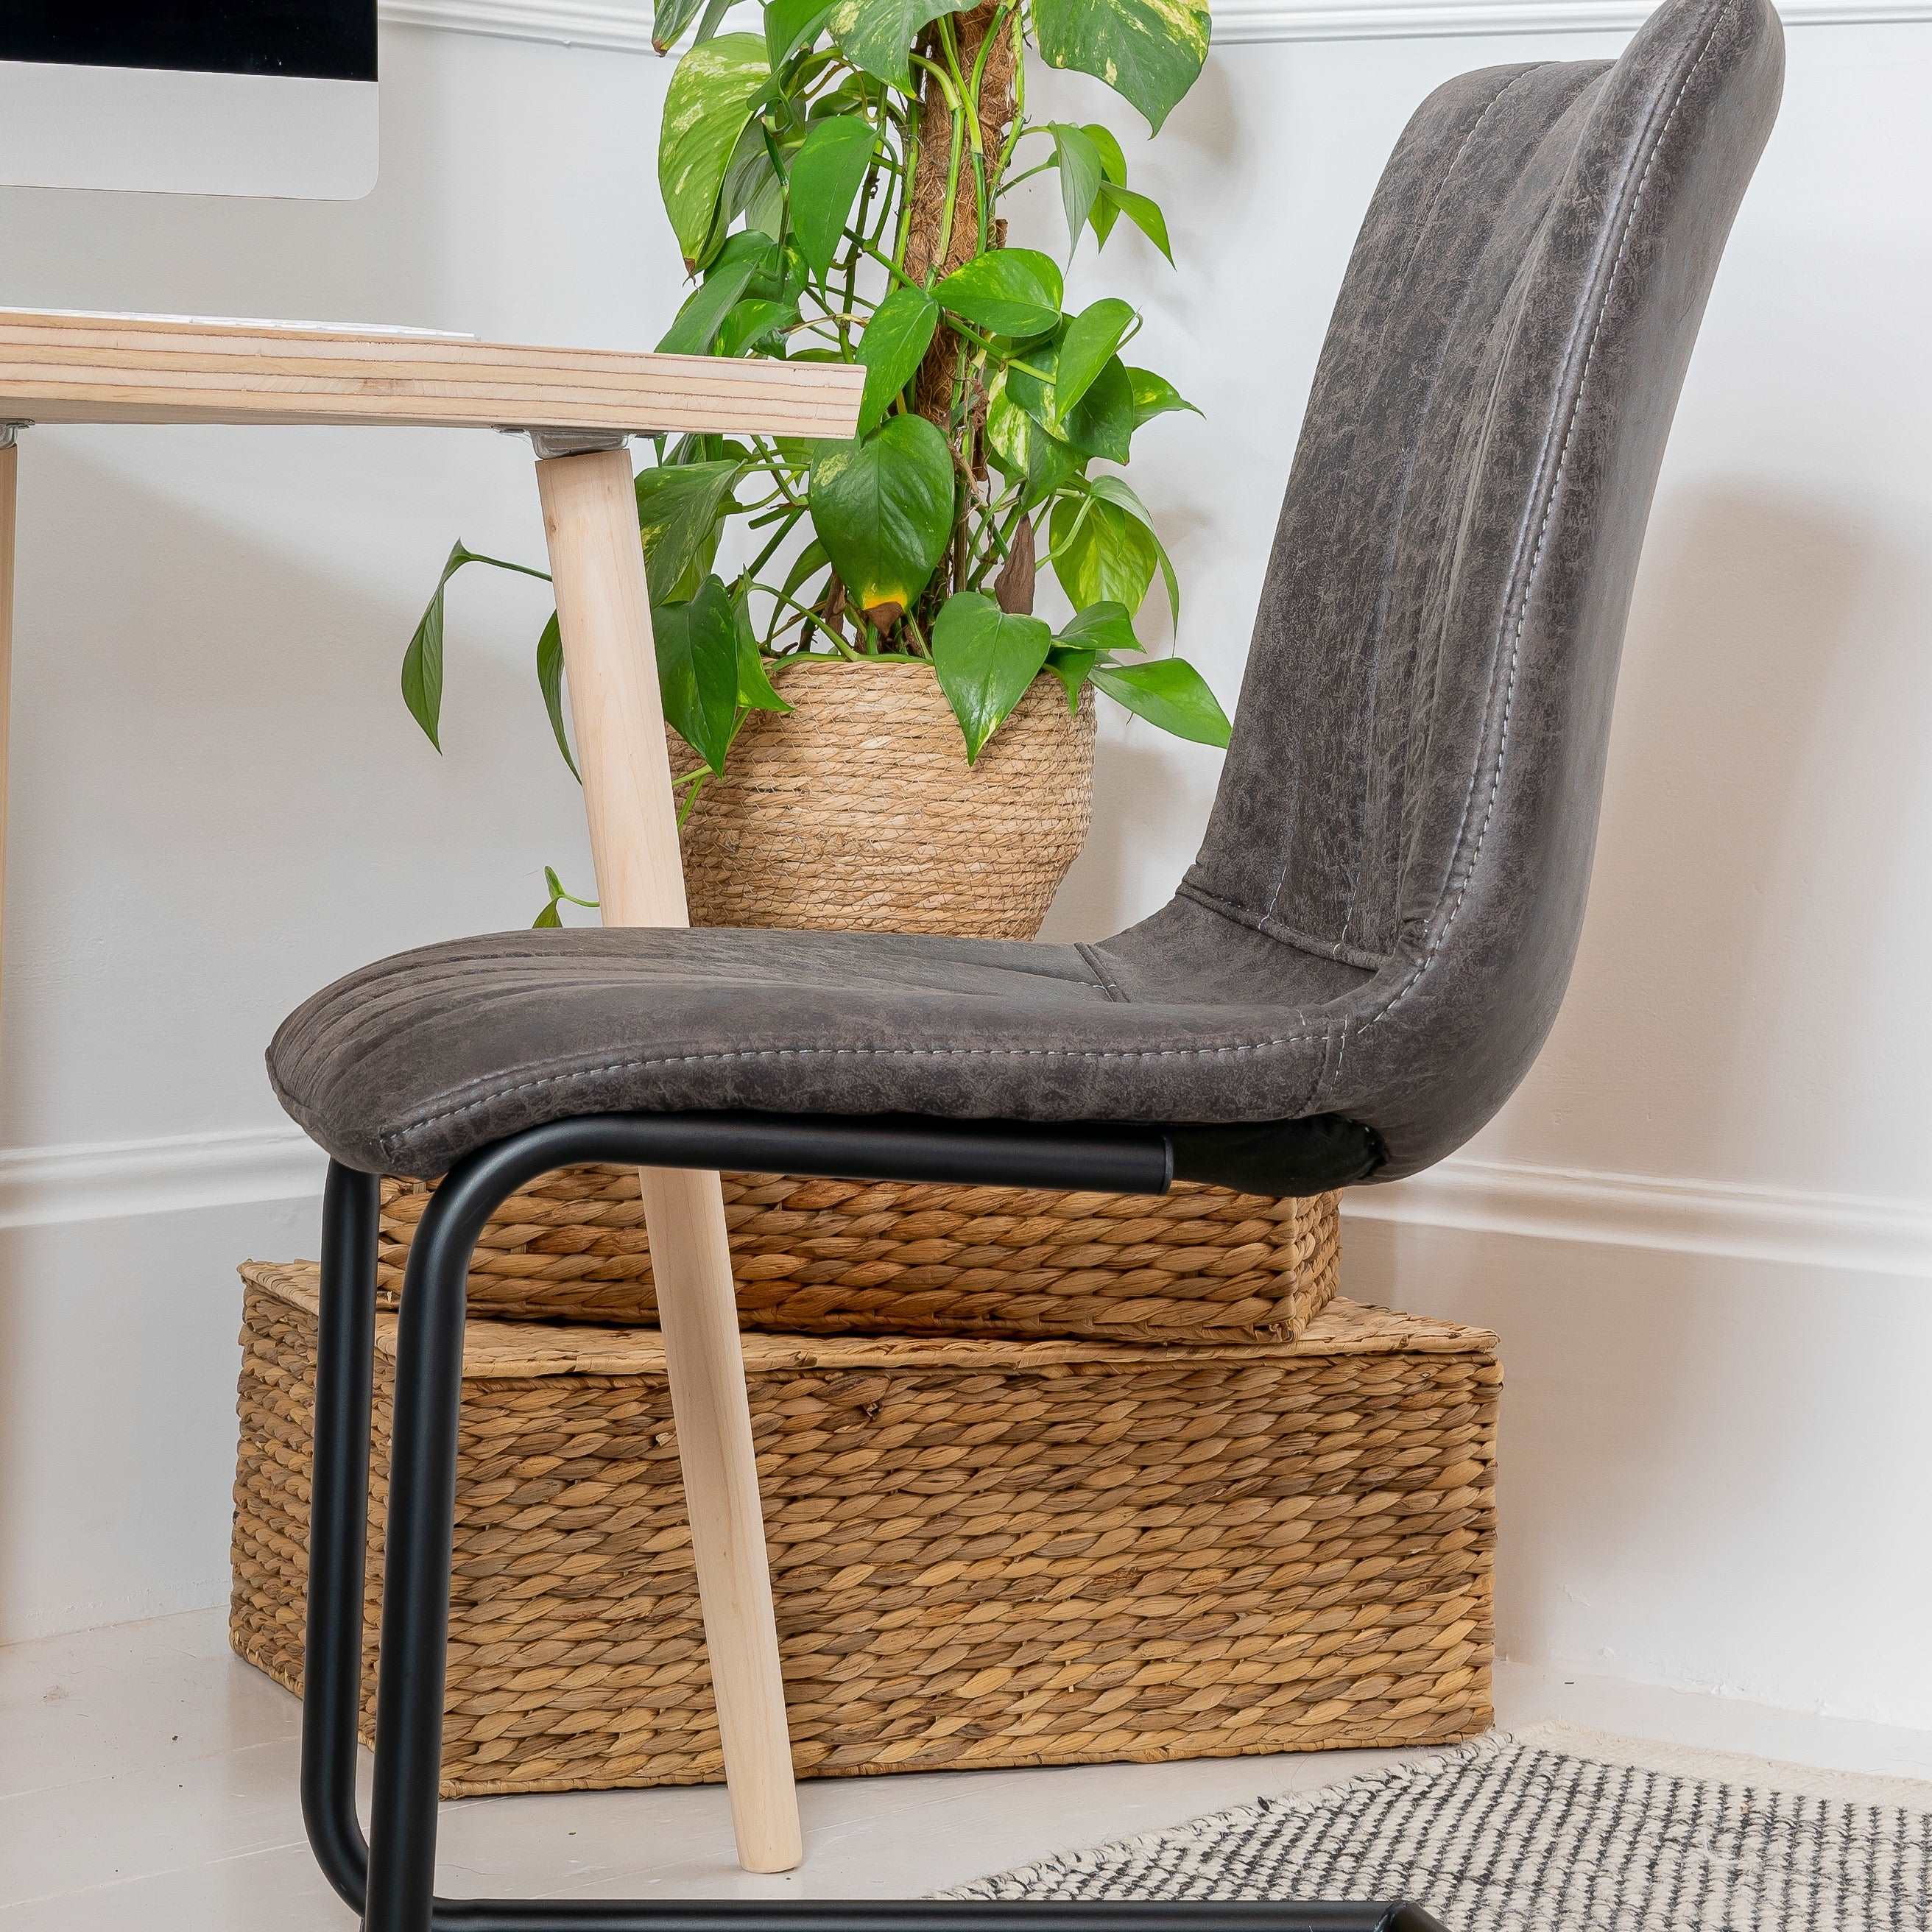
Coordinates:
415	1640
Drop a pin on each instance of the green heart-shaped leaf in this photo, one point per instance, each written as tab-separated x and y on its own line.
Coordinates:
1024	451
1149	51
883	508
753	187
1101	554
422	661
825	175
1100	627
1102	423
754	326
1119	492
1107	144
792	24
986	659
1170	693
1072	668
1154	396
756	691
550	682
1088	346
893	347
713	93
1081	171
742	258
1014	292
698	669
1144	214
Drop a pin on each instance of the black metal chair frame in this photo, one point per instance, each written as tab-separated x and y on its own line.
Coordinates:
389	1879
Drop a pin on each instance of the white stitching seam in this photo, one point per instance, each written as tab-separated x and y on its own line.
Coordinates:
1402	498
1279	884
395	1138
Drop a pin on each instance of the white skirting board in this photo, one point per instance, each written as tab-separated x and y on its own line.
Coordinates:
1848	1233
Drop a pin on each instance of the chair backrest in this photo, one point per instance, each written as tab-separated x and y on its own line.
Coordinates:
1413	782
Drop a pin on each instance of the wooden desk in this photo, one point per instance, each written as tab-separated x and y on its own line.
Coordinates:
578	406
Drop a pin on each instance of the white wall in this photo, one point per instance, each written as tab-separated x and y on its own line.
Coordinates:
1703	1227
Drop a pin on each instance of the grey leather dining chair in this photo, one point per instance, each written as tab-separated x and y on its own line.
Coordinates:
1356	971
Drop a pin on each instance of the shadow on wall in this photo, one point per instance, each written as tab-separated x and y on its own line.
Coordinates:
1736	880
1130	863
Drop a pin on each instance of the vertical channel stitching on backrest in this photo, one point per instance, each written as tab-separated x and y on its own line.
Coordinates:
1308	837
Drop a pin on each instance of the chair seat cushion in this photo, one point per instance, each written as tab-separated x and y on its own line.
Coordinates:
410	1063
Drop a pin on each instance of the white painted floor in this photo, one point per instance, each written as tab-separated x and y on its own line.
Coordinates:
147	1780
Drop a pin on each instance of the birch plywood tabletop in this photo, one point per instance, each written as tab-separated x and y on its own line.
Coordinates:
58	367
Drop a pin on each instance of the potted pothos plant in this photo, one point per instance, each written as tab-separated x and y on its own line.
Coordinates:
836	183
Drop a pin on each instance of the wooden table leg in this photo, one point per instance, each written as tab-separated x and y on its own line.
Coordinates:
590	519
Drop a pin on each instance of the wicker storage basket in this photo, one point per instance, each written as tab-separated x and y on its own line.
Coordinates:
838	1257
986	1553
857	812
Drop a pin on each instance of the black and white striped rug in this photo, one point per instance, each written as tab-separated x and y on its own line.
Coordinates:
1552	1830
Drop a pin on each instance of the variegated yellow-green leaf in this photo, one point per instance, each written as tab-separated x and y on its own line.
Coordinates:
1022	449
1149	51
679	508
878	34
711	97
1013	292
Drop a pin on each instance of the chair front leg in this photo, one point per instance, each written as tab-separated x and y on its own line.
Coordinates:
416	1574
338	1529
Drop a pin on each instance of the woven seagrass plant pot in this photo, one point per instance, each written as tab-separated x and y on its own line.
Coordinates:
857	811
